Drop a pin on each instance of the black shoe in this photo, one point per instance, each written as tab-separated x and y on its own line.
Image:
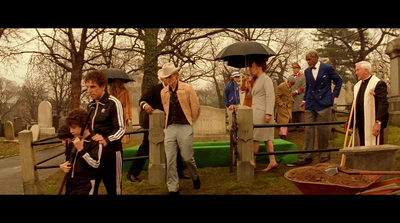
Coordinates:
302	162
196	183
132	178
183	175
174	192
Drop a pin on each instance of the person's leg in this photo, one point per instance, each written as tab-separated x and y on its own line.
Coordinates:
137	165
323	133
112	172
309	135
185	142
269	146
170	145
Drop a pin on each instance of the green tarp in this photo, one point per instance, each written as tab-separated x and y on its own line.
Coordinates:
217	154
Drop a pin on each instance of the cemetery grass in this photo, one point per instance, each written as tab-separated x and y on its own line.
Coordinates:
219	180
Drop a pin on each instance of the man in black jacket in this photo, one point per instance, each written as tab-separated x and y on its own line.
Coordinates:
149	102
108	125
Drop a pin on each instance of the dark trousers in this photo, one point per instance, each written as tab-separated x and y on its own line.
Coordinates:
77	186
110	172
137	165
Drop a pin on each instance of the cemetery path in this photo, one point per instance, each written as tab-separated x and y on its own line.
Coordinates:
11	175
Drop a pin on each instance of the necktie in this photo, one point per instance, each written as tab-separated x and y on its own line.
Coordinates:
313	68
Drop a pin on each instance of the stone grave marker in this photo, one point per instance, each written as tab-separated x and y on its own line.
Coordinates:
211	125
45	119
35	129
9	131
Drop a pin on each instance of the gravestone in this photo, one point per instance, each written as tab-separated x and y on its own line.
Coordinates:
393	50
45	120
9	131
17	125
35	129
211	125
349	93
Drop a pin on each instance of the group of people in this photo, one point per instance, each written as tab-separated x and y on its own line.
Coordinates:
93	136
308	97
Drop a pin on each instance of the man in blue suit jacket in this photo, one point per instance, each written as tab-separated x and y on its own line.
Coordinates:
317	102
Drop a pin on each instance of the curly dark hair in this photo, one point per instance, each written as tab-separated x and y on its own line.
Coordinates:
64	133
77	117
97	76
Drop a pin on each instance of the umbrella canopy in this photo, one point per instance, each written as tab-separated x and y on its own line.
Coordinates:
239	53
113	73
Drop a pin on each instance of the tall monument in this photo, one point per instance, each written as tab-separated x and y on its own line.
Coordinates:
393	50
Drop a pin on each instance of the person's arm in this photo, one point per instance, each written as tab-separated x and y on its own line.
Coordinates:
194	104
117	116
92	155
337	80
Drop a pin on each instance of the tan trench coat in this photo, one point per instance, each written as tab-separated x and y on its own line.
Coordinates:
284	103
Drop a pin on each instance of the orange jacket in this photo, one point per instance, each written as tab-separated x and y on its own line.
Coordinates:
187	99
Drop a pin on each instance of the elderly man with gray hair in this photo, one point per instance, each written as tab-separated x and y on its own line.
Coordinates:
370	106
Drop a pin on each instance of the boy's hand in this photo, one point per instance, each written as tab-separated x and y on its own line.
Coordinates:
78	143
65	167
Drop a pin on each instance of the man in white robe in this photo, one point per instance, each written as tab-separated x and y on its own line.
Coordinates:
370	106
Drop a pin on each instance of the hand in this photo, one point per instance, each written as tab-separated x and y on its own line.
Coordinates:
65	167
267	118
78	143
294	93
230	107
376	129
149	110
303	106
100	139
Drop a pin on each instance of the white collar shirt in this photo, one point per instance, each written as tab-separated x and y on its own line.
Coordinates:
315	71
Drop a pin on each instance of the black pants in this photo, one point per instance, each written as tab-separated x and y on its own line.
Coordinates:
137	165
77	186
110	172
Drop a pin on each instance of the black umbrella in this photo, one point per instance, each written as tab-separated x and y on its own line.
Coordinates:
113	73
238	54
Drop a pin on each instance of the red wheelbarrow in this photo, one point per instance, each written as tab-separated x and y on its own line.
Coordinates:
327	188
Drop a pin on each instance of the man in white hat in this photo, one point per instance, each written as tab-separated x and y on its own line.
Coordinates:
231	96
182	109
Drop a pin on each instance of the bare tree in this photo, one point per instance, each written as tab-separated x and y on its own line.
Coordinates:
178	45
69	49
9	99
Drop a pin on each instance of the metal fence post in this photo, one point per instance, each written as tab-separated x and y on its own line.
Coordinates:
245	166
28	162
157	161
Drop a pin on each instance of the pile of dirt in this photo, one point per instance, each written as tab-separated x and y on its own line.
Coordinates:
317	174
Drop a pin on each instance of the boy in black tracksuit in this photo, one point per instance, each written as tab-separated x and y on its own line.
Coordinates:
108	125
82	165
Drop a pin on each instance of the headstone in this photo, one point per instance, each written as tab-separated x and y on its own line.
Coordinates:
135	121
17	125
349	93
45	119
35	129
211	125
9	131
393	50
